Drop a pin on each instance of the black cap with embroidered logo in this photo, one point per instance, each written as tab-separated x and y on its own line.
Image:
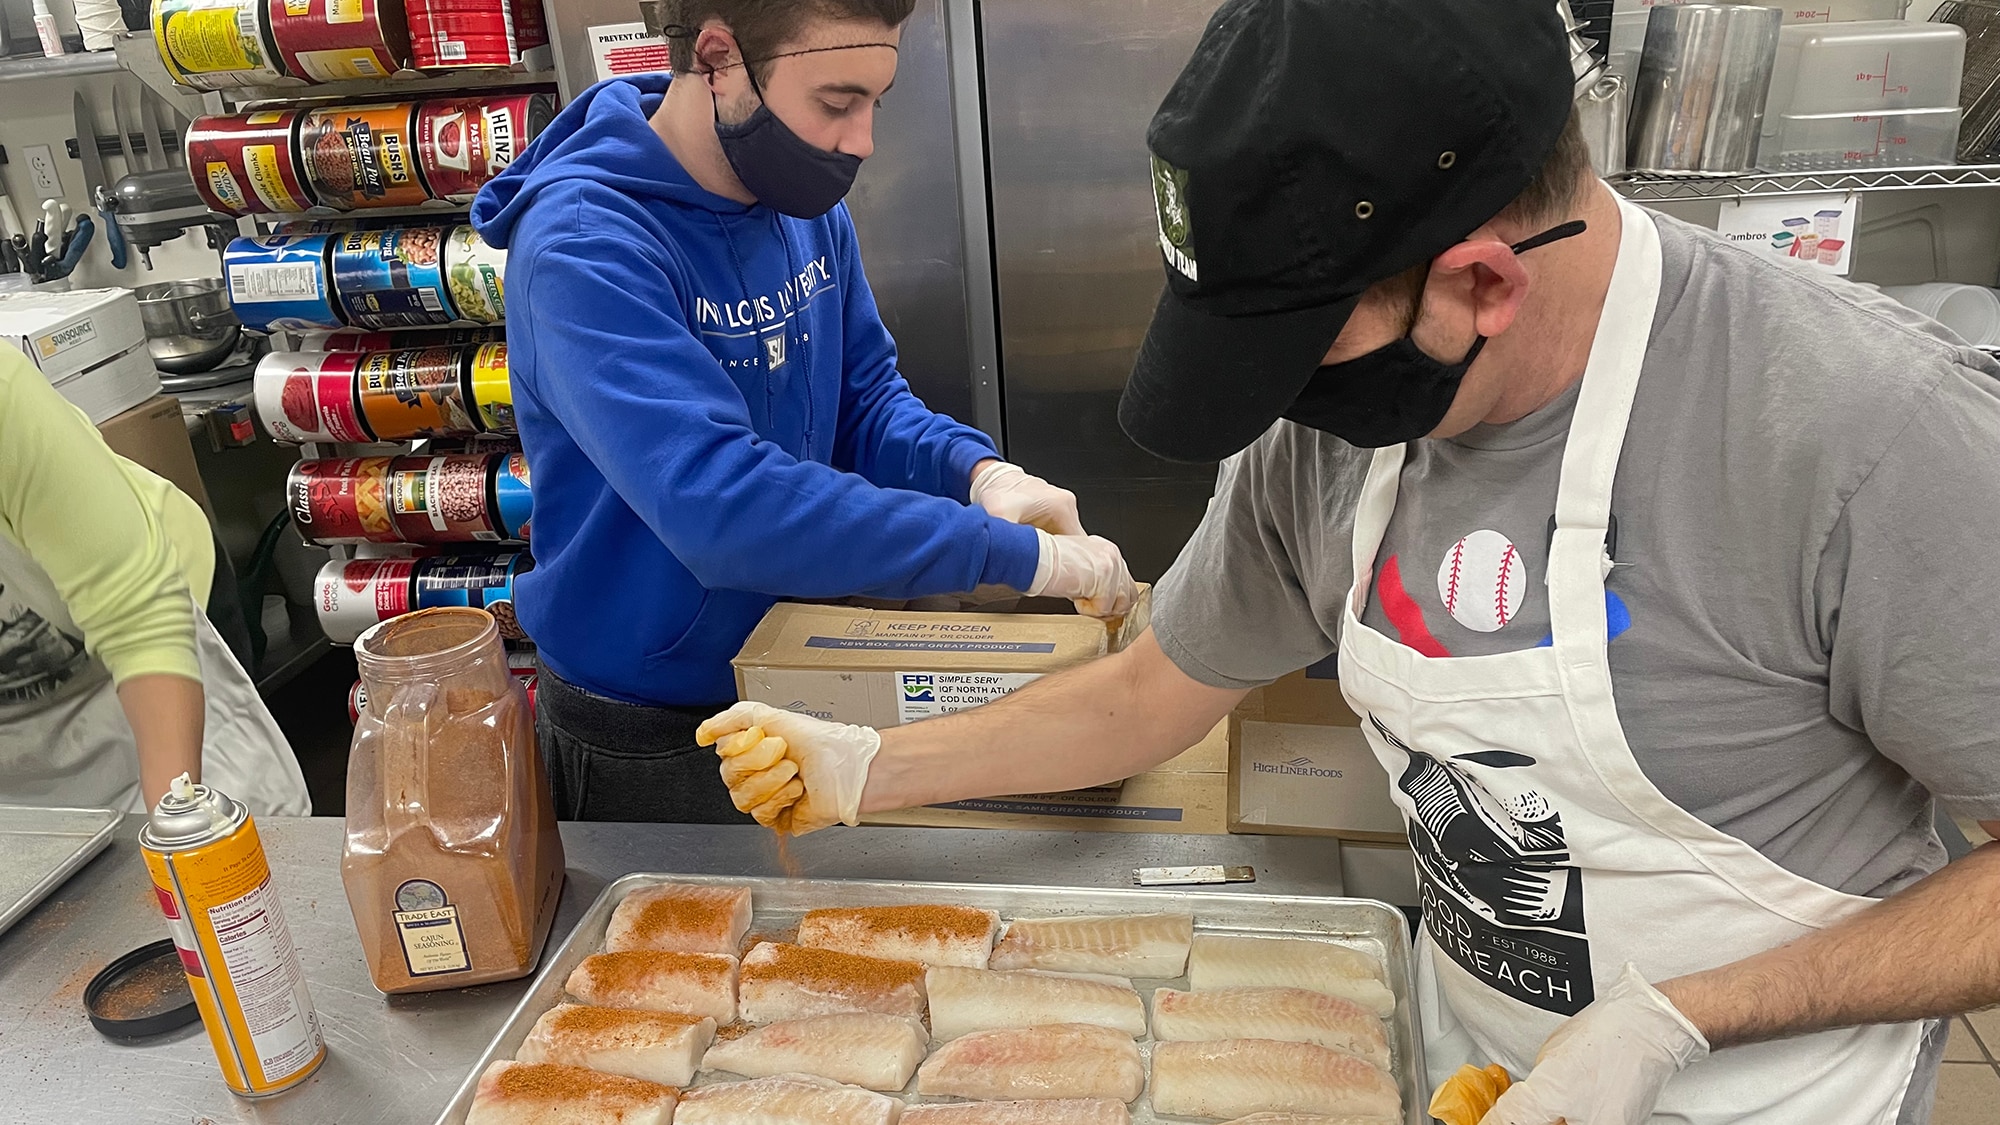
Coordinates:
1310	149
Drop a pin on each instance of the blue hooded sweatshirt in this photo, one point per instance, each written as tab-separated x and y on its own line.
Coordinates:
711	407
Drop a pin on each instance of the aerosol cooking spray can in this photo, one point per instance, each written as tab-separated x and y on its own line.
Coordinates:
214	885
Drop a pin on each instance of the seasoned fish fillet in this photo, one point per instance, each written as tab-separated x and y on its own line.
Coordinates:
1218	961
1128	945
1311	1119
661	1047
1292	1015
785	1099
682	918
1233	1077
1054	1111
518	1093
934	935
789	982
968	1000
1064	1060
864	1049
693	984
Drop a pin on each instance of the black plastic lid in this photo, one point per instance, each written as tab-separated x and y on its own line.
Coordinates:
143	993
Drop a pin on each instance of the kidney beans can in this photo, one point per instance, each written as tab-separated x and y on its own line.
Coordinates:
216	44
443	499
464	142
310	396
493	389
416	393
336	40
477	276
248	164
389	341
481	581
513	502
362	155
353	594
281	281
343	500
391	278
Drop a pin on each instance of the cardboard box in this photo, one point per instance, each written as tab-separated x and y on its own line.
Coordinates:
153	436
1300	766
64	333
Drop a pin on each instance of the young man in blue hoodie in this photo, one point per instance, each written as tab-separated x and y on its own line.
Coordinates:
711	403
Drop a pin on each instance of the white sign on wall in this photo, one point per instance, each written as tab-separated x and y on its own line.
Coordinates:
1818	229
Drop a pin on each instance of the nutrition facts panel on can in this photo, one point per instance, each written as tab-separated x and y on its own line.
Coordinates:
250	284
257	950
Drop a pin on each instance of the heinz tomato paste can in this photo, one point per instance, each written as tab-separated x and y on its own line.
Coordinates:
354	594
310	396
336	40
476	274
341	500
416	393
391	278
248	164
464	142
513	502
443	499
493	389
216	44
362	155
481	581
281	281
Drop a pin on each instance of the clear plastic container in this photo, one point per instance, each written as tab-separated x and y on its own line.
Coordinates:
1876	66
452	863
1831	141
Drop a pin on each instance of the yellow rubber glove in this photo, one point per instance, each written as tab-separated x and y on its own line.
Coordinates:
795	774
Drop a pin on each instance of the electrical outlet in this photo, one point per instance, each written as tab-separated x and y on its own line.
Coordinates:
42	169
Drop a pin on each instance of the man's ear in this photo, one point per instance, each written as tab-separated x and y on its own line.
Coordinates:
715	51
1488	270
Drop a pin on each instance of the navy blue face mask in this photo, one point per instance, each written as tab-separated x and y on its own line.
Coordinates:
784	171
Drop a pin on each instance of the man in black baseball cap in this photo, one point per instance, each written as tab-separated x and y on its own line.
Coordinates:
1656	568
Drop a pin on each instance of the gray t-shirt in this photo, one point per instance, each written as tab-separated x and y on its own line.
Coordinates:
1808	550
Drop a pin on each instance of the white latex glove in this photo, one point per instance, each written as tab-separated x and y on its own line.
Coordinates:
793	773
1007	491
1607	1064
1086	569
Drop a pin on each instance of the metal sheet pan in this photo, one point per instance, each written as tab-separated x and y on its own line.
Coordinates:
1373	927
44	847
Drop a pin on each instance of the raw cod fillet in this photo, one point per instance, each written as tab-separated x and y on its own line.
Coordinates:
785	1099
865	1049
1055	1111
681	917
518	1093
790	982
1234	1077
1065	1060
1293	1015
934	935
693	984
1311	1119
968	1000
1128	945
1218	961
658	1047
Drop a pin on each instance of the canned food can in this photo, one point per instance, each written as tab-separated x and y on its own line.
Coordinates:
443	499
216	44
353	594
213	884
480	581
357	701
389	341
476	274
310	396
416	392
464	33
391	278
248	164
341	500
513	503
362	155
464	142
281	281
337	40
493	389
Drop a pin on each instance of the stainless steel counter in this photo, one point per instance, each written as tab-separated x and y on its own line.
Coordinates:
399	1059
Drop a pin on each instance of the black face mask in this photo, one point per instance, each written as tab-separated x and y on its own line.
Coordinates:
1395	393
784	172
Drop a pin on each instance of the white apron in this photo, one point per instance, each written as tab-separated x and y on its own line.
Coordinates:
1546	859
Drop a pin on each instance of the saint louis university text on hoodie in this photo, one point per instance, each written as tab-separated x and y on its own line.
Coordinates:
712	411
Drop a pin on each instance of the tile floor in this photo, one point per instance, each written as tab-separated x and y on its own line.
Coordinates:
1969	1082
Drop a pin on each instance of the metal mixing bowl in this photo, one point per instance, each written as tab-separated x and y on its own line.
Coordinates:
189	324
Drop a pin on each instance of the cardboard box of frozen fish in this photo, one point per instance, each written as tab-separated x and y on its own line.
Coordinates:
701	1000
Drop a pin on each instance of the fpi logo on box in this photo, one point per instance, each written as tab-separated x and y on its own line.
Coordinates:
919	688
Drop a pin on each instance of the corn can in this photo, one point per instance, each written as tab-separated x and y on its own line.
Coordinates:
493	389
216	44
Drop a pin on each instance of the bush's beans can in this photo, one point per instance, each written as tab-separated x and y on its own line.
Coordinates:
354	594
351	341
310	396
464	142
493	389
336	40
281	281
343	500
216	44
213	884
443	499
476	274
391	278
481	581
513	503
248	164
362	155
416	393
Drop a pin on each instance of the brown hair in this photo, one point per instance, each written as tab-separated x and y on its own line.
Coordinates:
762	27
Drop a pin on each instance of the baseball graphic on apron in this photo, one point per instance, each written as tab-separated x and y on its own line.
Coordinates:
1482	581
